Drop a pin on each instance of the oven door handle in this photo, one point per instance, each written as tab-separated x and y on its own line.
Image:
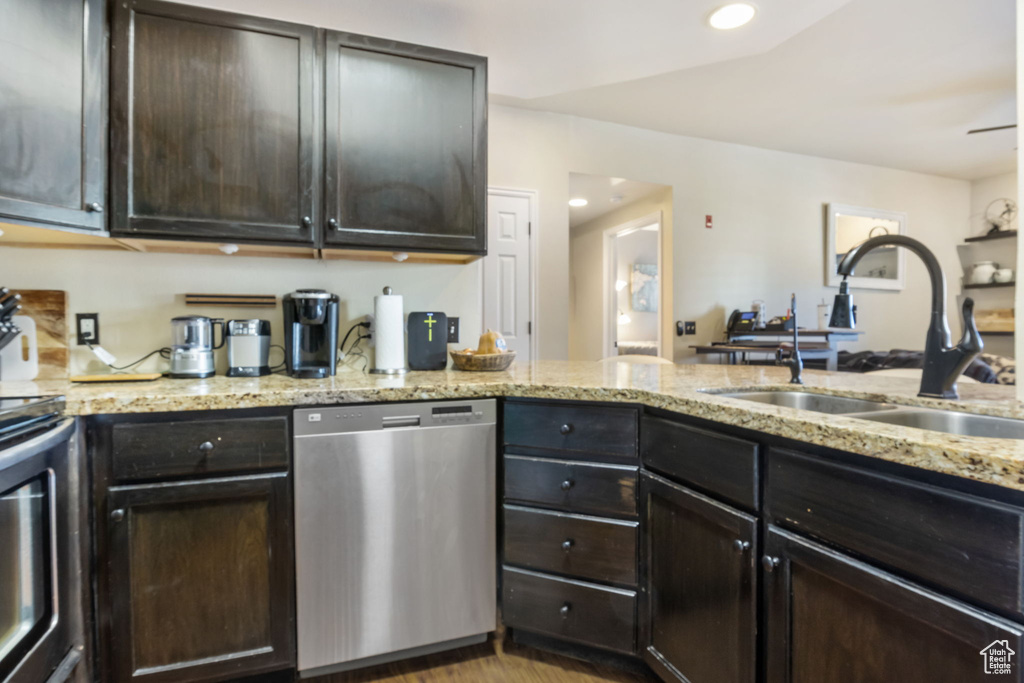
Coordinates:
44	442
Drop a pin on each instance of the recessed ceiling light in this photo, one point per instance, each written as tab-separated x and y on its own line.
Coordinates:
578	202
733	15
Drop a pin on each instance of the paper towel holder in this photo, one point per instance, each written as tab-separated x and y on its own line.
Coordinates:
387	292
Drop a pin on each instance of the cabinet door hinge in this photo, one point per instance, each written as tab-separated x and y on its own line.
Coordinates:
529	328
529	228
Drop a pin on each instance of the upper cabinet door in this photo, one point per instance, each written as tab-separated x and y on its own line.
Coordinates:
214	125
406	160
52	124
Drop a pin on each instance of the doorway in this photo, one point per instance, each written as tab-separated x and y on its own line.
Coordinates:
632	254
620	268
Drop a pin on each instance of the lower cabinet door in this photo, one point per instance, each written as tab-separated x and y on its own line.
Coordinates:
700	586
831	618
199	580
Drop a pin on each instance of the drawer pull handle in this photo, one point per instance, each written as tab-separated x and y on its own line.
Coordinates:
741	545
332	224
568	484
307	222
94	207
769	563
565	429
117	515
205	447
567	544
565	609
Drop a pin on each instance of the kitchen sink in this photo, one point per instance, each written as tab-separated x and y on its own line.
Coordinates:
819	403
951	422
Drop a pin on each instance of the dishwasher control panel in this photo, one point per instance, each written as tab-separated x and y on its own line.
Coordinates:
363	418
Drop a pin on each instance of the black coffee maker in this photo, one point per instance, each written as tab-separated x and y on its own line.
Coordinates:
310	333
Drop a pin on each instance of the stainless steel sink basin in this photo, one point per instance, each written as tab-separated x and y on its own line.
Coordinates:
950	422
819	403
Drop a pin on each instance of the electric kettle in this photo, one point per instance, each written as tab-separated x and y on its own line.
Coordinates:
192	346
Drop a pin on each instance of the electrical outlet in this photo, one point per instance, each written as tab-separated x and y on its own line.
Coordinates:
453	330
87	326
690	327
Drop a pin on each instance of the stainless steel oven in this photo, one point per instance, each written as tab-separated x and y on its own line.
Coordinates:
39	556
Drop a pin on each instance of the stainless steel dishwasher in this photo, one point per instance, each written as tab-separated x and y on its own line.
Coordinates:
395	531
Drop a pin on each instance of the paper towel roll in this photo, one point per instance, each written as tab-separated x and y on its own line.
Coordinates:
389	333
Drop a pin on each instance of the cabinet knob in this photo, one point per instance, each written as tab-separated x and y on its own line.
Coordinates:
567	544
206	447
565	429
567	484
565	609
94	207
332	224
117	515
740	545
306	221
769	563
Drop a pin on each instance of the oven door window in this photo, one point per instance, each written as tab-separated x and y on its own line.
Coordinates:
26	598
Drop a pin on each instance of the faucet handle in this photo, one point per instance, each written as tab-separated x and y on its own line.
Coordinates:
971	341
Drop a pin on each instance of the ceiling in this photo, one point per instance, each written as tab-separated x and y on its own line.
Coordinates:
599	190
888	82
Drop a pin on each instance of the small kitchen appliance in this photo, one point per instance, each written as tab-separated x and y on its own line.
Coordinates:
427	338
248	347
192	346
310	333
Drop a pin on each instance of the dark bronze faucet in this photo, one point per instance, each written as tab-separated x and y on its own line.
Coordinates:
943	362
795	363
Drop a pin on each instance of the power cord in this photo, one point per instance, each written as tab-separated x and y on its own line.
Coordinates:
101	353
352	329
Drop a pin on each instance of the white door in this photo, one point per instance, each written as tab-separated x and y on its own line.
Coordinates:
506	291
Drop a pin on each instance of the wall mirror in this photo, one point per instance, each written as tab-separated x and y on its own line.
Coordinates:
846	227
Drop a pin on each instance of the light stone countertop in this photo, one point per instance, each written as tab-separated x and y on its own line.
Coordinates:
677	388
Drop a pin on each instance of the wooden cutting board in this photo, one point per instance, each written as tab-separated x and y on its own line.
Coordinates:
146	377
49	309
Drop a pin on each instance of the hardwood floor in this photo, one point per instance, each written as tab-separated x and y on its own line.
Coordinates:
492	662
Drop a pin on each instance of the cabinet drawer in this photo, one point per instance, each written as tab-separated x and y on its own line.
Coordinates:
570	485
611	432
959	542
717	464
573	610
587	547
149	450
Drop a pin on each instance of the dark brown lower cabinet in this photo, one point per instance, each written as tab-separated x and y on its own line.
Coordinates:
829	617
701	586
199	579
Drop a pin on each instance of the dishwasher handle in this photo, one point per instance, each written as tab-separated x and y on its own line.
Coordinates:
400	421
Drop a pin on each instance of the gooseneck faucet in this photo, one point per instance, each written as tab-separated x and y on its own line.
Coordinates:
943	362
795	363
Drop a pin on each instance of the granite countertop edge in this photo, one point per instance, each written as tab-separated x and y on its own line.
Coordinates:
680	389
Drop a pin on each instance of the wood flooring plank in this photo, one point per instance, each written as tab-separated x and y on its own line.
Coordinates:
491	662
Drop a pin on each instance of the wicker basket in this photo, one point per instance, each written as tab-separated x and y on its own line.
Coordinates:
482	362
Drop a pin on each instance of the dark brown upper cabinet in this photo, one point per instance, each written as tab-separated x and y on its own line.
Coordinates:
53	127
406	146
214	125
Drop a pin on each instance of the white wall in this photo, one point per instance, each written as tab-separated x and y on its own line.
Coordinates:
137	294
768	241
768	236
